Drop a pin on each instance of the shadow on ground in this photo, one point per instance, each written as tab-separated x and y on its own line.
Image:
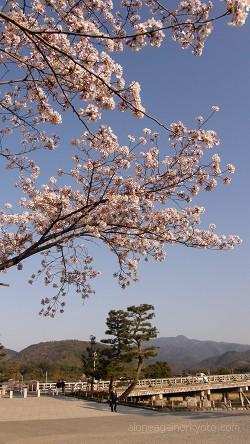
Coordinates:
133	410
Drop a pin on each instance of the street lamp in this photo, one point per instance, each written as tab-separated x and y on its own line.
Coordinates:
93	357
94	362
46	369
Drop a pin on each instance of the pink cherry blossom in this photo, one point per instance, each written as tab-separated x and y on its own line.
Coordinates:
59	56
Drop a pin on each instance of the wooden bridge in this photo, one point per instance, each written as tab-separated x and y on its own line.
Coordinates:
192	391
149	387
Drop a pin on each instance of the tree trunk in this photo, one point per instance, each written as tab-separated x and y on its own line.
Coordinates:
111	381
130	388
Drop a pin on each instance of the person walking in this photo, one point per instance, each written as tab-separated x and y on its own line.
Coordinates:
63	386
113	397
58	386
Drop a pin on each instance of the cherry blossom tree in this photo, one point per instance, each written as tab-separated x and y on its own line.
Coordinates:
58	56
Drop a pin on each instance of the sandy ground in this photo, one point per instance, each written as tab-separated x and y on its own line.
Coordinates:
48	420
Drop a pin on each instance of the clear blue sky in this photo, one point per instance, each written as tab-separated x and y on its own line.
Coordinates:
201	294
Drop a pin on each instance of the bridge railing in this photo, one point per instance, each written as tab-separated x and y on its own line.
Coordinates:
178	381
74	386
193	380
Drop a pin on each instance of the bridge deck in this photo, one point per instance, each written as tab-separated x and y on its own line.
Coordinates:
164	386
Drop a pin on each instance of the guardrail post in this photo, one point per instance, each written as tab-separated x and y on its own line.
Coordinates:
11	394
25	392
38	393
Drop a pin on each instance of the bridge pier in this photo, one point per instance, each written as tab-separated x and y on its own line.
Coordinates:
241	397
157	400
153	399
205	400
209	394
202	395
225	397
160	400
192	401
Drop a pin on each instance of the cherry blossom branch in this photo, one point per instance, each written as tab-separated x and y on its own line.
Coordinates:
112	37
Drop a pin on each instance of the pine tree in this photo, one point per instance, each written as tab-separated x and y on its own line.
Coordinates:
130	329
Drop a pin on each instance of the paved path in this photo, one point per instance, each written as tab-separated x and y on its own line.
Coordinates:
71	421
19	409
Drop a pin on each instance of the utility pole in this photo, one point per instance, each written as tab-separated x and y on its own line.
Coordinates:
93	354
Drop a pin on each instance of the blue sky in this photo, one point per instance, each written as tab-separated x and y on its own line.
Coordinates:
201	294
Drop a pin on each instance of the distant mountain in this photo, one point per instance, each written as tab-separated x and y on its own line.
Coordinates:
9	354
180	352
183	353
66	352
231	360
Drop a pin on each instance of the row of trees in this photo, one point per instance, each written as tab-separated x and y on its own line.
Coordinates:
38	371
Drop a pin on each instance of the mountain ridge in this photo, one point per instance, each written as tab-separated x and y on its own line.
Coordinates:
181	352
